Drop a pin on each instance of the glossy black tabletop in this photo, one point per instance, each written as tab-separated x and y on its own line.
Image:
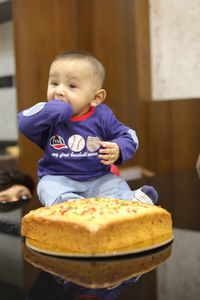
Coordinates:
170	272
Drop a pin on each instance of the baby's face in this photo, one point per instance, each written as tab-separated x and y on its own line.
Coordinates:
72	81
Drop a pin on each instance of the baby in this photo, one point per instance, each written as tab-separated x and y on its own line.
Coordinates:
80	136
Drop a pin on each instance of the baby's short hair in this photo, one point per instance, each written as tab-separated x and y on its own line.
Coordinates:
98	68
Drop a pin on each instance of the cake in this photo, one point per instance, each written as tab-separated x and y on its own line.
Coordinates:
98	273
96	226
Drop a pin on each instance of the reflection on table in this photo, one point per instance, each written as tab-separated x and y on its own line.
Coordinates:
101	272
102	278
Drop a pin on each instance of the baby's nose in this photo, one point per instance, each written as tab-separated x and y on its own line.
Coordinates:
60	90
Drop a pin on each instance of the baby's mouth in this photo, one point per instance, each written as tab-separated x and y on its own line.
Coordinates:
61	99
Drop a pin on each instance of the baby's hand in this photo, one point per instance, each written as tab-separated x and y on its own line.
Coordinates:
109	153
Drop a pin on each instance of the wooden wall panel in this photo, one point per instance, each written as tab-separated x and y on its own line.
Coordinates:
45	28
173	134
158	135
120	41
185	133
117	32
42	29
143	77
110	27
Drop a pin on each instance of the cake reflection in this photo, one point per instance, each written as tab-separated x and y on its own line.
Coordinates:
102	272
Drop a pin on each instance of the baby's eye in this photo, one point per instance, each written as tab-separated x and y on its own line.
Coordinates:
72	86
54	83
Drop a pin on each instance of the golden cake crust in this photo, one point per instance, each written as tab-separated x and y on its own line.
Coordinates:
96	226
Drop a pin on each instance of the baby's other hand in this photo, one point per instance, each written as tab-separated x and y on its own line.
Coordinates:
109	153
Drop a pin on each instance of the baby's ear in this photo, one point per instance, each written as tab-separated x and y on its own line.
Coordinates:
99	97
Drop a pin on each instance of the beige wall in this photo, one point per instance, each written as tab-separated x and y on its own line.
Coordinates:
175	48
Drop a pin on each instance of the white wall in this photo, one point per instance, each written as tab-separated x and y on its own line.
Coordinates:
7	49
175	48
8	109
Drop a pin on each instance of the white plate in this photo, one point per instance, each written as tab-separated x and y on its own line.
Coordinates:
85	255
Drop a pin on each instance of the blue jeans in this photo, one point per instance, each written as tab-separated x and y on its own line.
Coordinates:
54	189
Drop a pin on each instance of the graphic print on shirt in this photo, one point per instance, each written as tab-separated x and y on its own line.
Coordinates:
92	143
34	109
57	142
75	145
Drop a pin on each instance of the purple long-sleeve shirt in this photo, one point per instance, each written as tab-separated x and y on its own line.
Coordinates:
71	144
